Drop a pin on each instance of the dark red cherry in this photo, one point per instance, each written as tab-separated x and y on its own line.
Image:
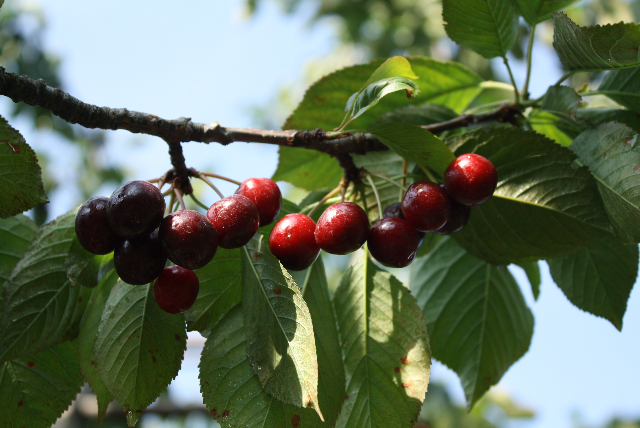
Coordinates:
140	260
292	241
395	210
176	289
265	194
471	179
458	218
393	242
135	209
426	206
236	220
188	238
342	228
92	227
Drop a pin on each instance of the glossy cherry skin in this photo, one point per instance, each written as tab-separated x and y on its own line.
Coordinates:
426	206
292	241
236	220
92	227
342	228
176	289
471	179
135	209
188	238
140	260
395	210
266	196
393	242
458	218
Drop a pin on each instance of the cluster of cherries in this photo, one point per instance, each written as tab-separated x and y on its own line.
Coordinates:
131	223
394	240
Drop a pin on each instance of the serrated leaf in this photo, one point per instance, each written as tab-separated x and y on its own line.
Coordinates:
598	279
415	144
478	321
594	117
607	47
36	389
87	337
537	11
611	154
307	169
220	291
543	207
532	270
230	389
426	114
280	340
561	100
39	304
549	125
623	87
19	173
450	84
82	266
385	349
139	347
488	27
15	235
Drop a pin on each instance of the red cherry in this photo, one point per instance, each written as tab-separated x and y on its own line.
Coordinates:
265	194
395	210
189	239
426	206
292	241
342	228
92	227
235	219
140	260
136	208
393	242
471	179
176	289
458	218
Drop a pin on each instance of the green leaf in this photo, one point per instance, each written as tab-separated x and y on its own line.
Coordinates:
82	266
488	27
307	169
219	291
415	144
478	321
233	393
532	270
36	389
598	279
280	341
605	47
385	349
549	125
20	173
426	114
447	83
15	235
611	154
537	11
139	347
543	207
561	100
39	304
623	87
594	117
86	339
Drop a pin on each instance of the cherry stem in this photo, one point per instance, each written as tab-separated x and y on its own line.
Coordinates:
202	176
200	204
168	192
387	179
171	201
363	195
208	174
155	180
428	173
375	192
179	196
327	196
405	167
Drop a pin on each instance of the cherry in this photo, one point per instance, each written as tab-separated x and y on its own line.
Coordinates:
342	228
395	210
135	209
236	219
471	179
426	206
92	227
176	289
292	241
189	239
265	194
139	260
393	242
458	218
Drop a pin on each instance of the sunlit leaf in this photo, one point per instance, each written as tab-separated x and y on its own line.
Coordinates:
536	11
623	87
307	169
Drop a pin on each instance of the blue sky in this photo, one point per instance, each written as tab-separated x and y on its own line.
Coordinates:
207	62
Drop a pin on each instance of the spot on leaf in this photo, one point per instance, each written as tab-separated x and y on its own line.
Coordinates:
178	338
397	369
407	384
295	422
255	255
20	403
404	360
346	397
277	290
31	364
225	414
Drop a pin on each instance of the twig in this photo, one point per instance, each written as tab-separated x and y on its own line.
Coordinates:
179	196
